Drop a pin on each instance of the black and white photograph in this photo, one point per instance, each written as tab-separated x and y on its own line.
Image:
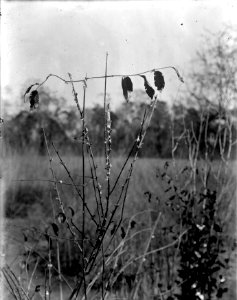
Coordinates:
118	142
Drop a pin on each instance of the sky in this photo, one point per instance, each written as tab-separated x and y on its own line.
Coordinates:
41	38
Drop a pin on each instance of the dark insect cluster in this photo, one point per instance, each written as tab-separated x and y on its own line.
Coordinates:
127	86
34	99
159	82
149	90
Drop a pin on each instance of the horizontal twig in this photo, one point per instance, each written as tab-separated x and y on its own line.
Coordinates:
110	76
49	180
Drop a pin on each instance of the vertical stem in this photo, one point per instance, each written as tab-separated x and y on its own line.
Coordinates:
59	271
49	268
83	189
106	158
105	88
206	158
45	284
143	258
196	153
89	150
172	143
57	241
75	96
107	136
230	140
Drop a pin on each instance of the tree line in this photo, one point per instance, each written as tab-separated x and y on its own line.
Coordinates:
63	127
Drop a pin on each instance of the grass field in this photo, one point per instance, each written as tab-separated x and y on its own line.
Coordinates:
30	202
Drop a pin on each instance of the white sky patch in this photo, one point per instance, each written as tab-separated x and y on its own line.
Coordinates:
39	38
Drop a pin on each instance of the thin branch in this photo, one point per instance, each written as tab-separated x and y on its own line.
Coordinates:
83	191
143	257
110	76
107	159
75	96
72	180
132	260
49	180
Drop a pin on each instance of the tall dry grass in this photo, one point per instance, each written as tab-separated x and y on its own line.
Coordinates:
146	195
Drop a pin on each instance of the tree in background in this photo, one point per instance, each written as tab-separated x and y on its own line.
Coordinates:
211	96
213	78
158	139
158	142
